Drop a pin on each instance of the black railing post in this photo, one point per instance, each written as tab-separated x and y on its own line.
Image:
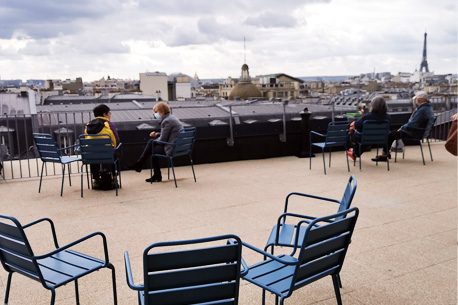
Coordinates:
305	130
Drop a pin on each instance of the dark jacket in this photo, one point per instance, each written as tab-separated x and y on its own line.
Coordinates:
419	120
102	125
379	117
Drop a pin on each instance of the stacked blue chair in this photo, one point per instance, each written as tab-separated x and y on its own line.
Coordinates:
320	253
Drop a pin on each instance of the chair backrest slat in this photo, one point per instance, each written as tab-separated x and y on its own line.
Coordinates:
191	258
195	295
349	194
47	147
194	276
208	274
337	134
429	126
375	133
185	141
15	251
96	149
324	247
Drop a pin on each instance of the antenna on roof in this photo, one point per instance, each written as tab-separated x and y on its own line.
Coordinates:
244	50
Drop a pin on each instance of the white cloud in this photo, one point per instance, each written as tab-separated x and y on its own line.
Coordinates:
93	38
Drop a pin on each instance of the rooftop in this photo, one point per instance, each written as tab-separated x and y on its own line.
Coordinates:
403	251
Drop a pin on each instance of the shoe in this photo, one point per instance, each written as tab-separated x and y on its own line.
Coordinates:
137	166
350	154
155	178
381	158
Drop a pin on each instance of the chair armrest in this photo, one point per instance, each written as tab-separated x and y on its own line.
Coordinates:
308	196
244	270
71	146
53	230
275	258
129	277
163	142
317	133
104	240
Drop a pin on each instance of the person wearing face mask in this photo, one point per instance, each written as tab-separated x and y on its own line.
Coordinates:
170	125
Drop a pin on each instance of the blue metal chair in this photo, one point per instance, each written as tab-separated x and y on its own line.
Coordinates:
336	136
97	149
199	271
52	270
426	136
49	152
374	133
285	232
320	253
184	145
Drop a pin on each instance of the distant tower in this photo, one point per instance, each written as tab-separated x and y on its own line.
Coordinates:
424	61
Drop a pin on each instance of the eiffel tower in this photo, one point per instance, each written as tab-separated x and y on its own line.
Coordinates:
424	61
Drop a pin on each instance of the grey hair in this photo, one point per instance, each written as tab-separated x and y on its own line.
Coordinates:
378	105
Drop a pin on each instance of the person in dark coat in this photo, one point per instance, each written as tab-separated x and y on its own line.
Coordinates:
378	113
414	128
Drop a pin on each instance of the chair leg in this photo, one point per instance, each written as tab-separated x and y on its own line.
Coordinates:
82	179
77	294
348	163
53	296
396	152
63	179
69	172
168	167
87	175
422	156
330	153
192	166
430	153
113	278
324	161
310	156
41	176
173	171
116	179
336	289
263	297
339	280
387	161
8	285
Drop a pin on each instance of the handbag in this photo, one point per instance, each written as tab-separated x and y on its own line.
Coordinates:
398	146
452	142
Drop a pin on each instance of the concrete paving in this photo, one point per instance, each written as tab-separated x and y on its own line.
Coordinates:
403	251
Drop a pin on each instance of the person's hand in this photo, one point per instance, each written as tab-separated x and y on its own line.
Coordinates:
455	117
153	134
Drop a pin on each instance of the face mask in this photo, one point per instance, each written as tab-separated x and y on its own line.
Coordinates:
157	116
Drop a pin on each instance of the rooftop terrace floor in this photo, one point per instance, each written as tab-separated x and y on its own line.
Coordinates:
403	251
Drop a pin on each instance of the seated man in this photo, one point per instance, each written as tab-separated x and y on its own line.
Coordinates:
414	128
101	124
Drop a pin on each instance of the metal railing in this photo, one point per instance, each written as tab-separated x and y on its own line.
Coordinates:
20	159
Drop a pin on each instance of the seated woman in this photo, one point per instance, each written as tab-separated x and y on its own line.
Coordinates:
170	125
378	113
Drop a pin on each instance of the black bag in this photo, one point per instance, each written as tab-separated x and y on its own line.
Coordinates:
106	180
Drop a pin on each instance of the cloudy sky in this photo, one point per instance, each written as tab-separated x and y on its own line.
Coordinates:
95	38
